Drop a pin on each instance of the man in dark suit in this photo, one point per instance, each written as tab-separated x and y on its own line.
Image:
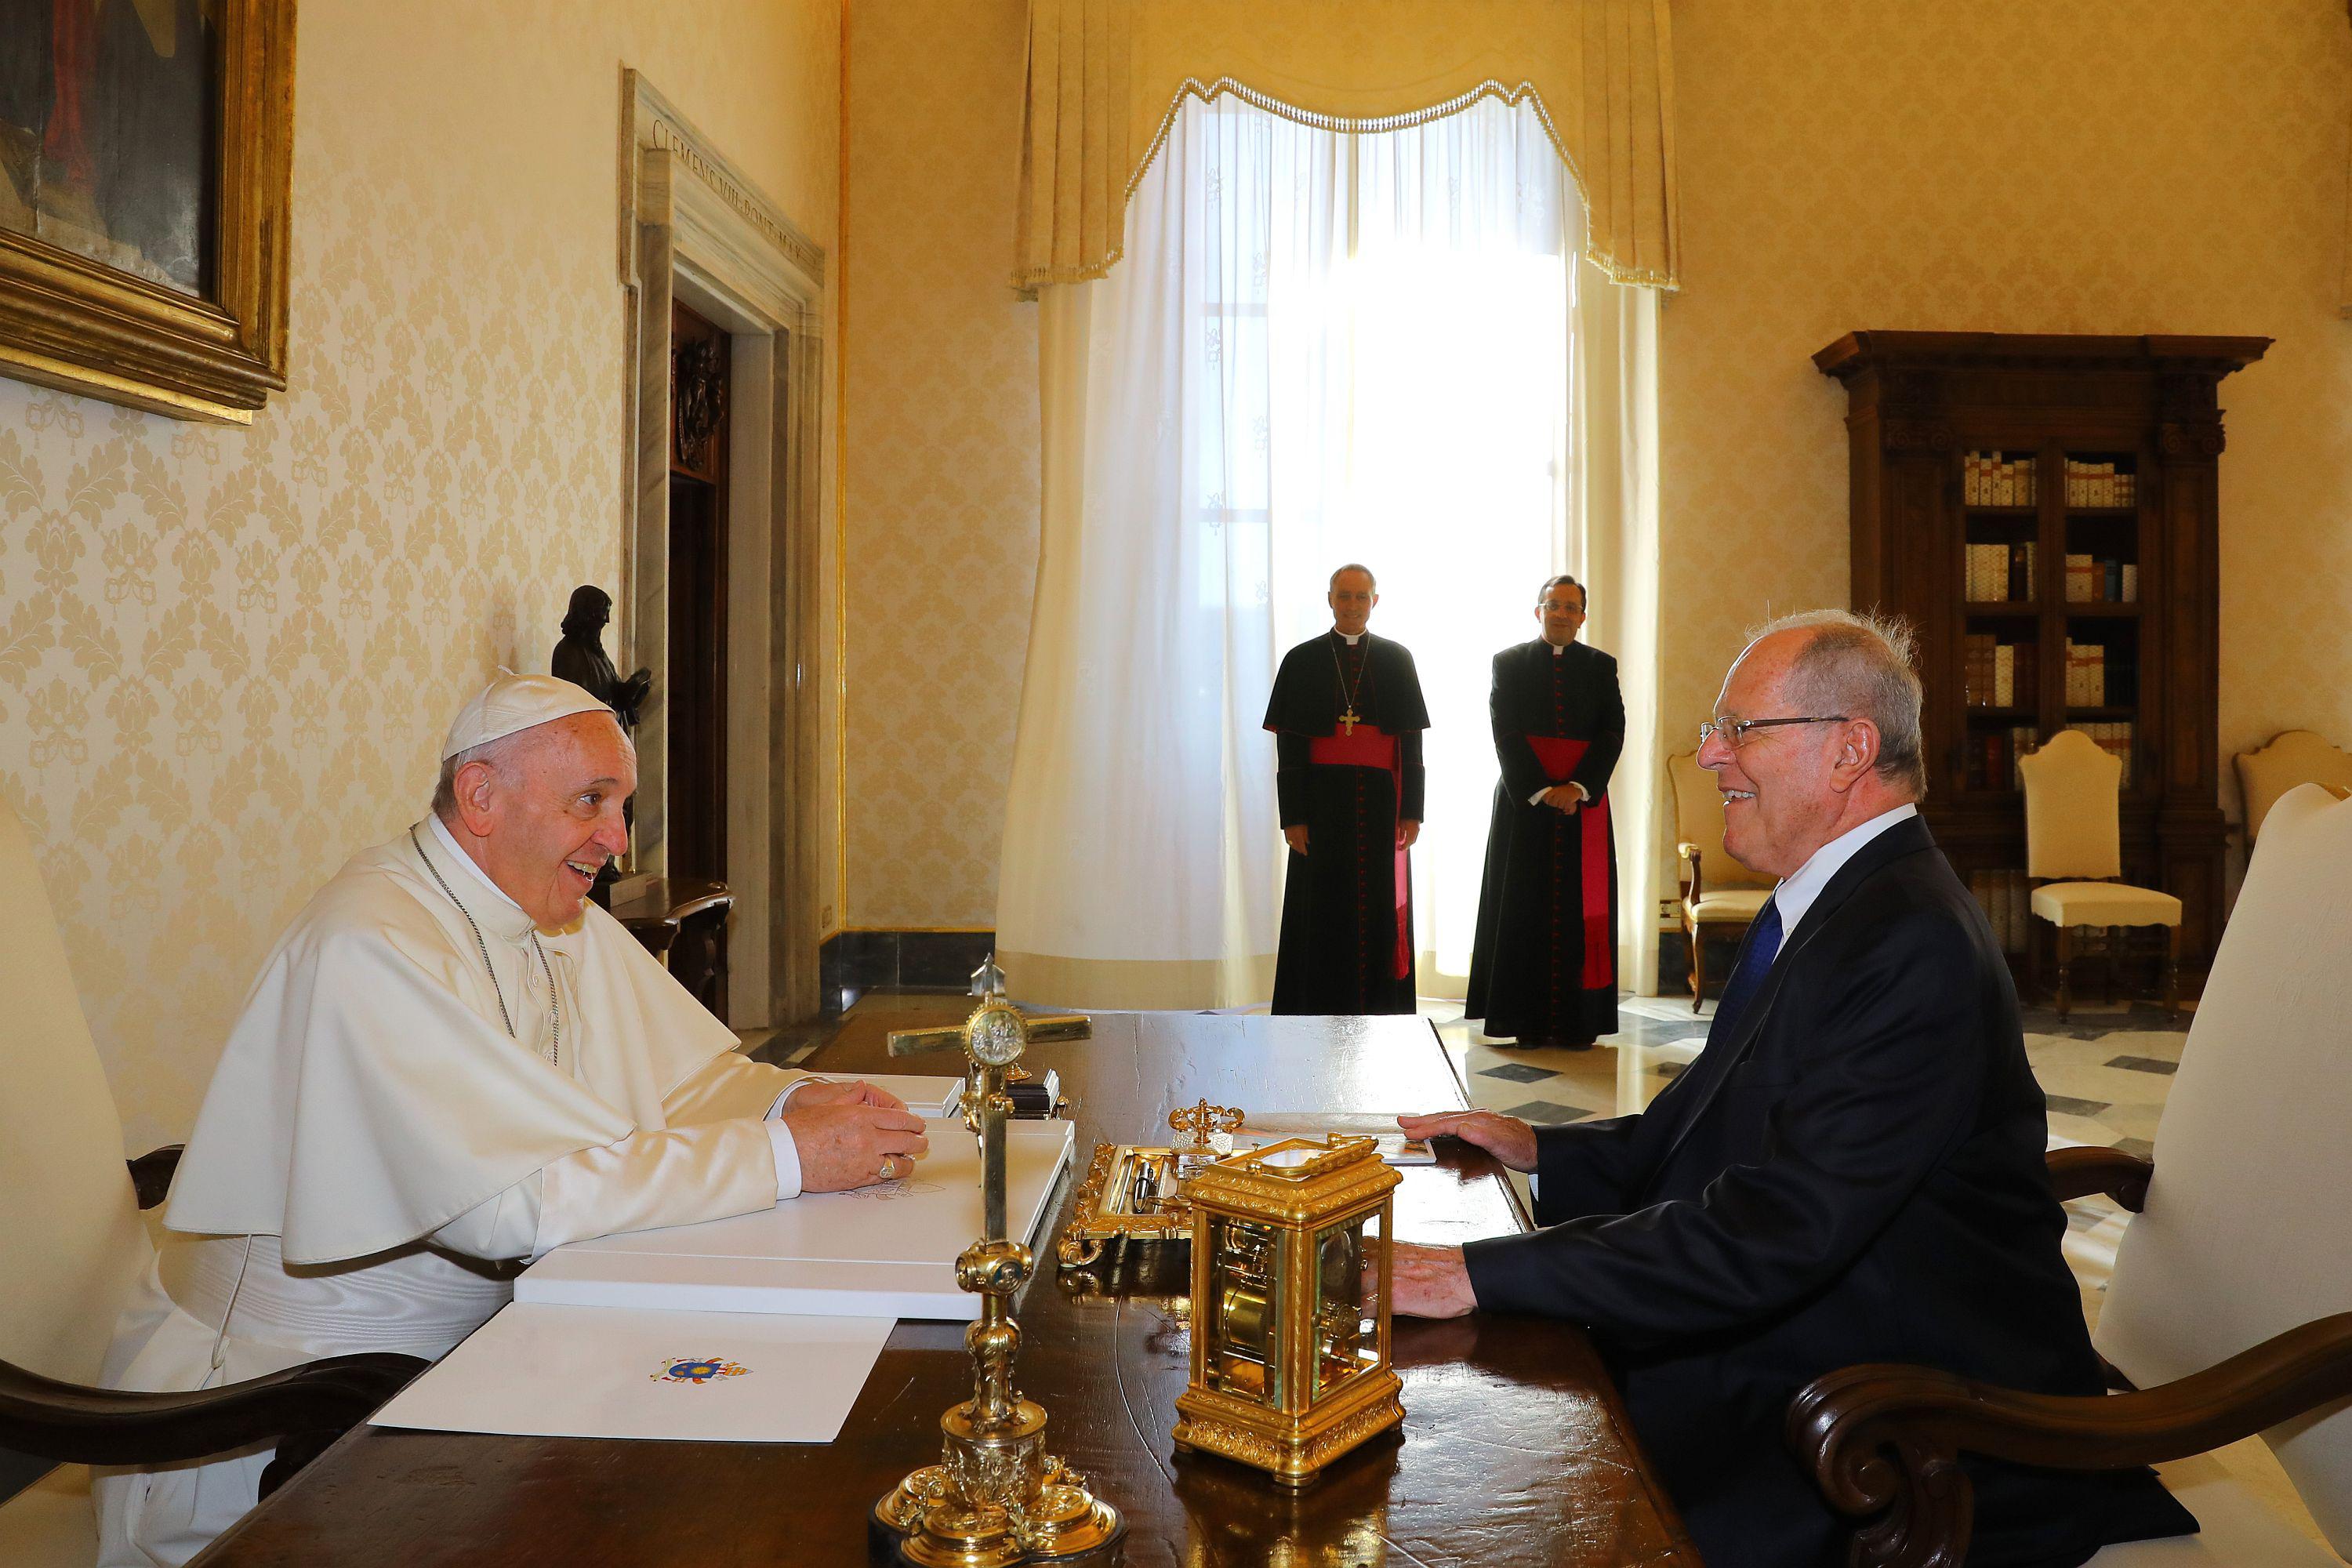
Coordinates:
1852	1169
1543	969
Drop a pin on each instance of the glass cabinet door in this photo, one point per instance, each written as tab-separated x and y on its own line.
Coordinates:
1346	1304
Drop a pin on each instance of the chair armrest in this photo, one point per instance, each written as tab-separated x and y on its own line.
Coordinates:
73	1423
1691	853
152	1172
1883	1442
2079	1173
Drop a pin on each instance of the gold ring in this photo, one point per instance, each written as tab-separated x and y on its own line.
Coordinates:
889	1165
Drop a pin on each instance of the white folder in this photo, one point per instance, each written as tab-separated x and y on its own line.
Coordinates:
887	1250
581	1371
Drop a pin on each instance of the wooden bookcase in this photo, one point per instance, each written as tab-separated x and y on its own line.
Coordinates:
1922	409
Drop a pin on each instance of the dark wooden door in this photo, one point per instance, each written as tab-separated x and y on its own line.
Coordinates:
695	822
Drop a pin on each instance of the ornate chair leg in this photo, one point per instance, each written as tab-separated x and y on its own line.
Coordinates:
1698	965
2172	971
2065	968
2114	955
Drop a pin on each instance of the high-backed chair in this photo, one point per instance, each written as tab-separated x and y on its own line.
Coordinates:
2292	757
74	1252
2073	850
1720	896
2230	1311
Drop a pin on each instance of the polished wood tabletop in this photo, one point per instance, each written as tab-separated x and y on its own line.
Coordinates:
1513	1448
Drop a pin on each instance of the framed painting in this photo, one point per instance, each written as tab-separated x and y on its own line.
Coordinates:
146	161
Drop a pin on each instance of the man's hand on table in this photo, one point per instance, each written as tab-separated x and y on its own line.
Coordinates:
856	1091
845	1140
1430	1282
1507	1138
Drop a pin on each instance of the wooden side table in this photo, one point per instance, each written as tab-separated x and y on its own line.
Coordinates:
683	922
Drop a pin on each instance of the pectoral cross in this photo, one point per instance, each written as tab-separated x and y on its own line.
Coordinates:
1347	721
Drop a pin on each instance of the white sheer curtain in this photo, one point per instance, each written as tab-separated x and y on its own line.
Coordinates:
1321	346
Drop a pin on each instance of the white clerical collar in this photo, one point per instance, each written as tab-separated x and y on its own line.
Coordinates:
467	862
1350	638
1556	648
1796	893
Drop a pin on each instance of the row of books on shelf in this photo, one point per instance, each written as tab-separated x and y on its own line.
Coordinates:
2097	675
1986	479
2005	572
2091	580
1993	760
2001	572
2006	899
1996	674
2098	484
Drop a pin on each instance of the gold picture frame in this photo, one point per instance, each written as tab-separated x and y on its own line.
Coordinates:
69	321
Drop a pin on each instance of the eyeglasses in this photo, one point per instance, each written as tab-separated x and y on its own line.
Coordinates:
1735	731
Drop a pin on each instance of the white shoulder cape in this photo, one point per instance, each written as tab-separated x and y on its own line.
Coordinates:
369	1093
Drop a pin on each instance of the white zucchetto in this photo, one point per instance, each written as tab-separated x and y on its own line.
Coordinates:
513	702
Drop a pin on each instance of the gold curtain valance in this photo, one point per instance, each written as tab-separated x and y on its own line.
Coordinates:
1107	77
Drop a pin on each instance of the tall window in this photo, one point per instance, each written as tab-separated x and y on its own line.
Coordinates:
1318	347
1381	327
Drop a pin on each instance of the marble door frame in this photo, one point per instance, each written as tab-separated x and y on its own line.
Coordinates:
693	229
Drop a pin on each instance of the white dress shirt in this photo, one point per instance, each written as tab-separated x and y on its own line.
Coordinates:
1797	892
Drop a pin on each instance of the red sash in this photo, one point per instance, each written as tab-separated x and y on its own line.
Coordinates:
1560	757
1368	748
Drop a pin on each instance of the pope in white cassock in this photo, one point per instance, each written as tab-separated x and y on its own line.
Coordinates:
452	1061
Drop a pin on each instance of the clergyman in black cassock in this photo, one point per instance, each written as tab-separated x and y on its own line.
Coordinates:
1347	715
1543	969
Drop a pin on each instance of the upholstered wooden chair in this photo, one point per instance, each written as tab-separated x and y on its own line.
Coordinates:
1719	895
2291	757
2073	850
2229	1312
74	1253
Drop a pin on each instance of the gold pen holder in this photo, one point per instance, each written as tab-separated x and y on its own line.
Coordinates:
1134	1194
1291	1261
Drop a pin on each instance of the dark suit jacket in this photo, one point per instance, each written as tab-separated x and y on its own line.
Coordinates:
1856	1174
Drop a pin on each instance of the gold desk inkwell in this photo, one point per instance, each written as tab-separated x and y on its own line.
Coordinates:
1291	1260
1133	1193
996	1497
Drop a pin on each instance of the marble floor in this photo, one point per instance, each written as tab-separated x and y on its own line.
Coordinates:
2104	1071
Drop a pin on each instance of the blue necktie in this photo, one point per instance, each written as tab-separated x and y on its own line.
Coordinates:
1755	963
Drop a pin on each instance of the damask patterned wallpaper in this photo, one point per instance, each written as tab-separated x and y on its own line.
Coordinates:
2106	166
941	480
227	655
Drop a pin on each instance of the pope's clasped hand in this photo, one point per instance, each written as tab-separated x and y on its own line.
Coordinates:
852	1136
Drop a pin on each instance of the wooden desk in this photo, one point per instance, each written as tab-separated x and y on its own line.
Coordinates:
1514	1449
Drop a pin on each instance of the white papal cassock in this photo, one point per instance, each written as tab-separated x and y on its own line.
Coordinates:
379	1146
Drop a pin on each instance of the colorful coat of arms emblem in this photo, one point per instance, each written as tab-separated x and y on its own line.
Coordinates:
690	1368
